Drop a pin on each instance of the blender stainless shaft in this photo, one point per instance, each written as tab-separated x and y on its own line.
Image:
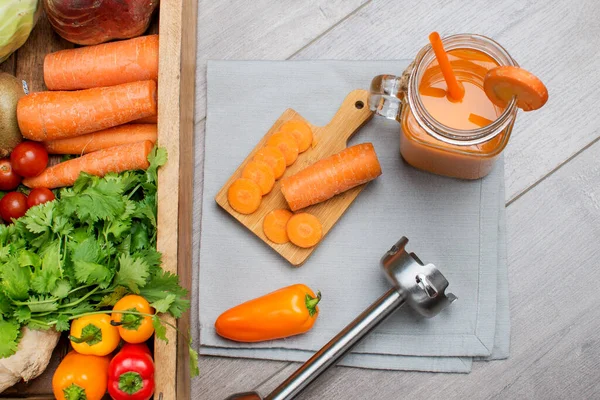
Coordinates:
339	345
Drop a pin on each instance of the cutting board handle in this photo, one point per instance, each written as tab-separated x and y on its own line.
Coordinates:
351	115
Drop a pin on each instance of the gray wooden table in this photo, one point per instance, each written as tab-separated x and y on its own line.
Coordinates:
552	182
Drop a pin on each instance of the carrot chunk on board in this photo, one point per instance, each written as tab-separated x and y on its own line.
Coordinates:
331	176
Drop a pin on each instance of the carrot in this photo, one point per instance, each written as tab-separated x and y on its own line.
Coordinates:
46	116
479	120
261	173
123	134
304	230
286	142
105	64
244	196
331	176
301	132
501	84
115	159
275	226
153	119
274	157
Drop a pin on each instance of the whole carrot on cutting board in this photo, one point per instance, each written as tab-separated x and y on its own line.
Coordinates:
44	116
122	134
106	64
126	157
330	176
285	312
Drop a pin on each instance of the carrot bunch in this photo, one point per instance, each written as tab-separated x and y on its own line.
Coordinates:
102	106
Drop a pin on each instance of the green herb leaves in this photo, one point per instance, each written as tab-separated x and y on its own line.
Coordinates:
82	252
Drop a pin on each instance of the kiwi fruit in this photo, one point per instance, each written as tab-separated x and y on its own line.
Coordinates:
11	90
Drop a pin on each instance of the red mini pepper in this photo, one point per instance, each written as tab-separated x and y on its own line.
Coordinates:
131	373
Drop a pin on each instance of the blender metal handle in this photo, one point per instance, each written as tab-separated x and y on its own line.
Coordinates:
339	345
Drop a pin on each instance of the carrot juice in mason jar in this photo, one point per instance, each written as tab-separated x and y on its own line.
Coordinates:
459	138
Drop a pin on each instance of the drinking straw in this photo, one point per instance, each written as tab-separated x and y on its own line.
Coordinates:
455	90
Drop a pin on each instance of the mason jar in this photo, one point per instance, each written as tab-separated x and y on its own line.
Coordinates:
426	143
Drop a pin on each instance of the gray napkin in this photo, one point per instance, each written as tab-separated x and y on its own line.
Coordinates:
451	223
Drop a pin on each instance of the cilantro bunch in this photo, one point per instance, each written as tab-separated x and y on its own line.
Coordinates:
84	251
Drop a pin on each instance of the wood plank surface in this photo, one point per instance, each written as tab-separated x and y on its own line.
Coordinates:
550	233
327	141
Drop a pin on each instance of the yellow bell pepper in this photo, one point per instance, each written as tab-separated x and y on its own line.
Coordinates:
94	334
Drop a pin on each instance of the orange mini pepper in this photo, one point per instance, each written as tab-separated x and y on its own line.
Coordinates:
94	334
133	328
81	376
286	312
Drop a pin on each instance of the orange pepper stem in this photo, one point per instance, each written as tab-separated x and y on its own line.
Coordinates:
311	303
74	392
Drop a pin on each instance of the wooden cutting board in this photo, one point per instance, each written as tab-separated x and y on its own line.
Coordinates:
327	140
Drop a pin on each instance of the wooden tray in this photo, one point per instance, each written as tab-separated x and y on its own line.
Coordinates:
328	140
177	58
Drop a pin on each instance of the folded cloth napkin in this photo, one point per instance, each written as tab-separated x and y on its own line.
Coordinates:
451	223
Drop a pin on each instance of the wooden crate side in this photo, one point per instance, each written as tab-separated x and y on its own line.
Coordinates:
170	28
186	182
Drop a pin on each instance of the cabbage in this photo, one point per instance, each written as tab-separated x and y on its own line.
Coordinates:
17	19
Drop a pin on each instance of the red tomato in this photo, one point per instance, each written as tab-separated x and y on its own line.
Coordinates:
39	196
13	205
9	180
29	159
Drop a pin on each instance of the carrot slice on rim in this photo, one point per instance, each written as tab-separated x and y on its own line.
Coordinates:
286	142
261	173
275	224
304	230
501	84
301	132
244	196
274	157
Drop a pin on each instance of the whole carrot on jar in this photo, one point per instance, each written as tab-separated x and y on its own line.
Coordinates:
285	312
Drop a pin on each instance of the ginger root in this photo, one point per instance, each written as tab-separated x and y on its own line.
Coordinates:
30	360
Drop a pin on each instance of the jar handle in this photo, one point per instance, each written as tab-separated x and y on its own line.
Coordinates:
388	92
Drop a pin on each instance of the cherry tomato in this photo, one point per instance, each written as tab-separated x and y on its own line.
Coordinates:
39	196
9	180
29	159
13	205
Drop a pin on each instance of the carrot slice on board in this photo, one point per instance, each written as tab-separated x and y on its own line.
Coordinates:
301	132
304	230
275	226
501	84
244	196
286	142
274	157
331	176
261	173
